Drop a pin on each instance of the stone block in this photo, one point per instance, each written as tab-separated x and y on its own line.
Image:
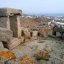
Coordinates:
5	34
9	11
14	43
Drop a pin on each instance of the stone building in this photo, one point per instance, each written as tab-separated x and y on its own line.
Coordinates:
10	28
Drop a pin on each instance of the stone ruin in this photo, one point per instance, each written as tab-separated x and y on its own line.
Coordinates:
10	28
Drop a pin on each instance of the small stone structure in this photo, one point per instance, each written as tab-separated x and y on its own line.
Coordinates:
10	30
10	19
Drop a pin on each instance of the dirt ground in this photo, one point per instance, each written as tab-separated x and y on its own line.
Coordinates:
55	46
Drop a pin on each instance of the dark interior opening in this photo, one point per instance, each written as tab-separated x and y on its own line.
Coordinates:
38	34
22	33
31	34
5	44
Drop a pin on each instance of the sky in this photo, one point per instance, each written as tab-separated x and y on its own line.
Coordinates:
35	6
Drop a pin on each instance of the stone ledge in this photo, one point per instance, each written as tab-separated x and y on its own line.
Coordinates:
9	11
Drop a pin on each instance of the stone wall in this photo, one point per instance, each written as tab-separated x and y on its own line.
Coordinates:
5	35
3	22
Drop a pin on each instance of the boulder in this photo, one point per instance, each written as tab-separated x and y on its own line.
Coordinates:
6	55
42	55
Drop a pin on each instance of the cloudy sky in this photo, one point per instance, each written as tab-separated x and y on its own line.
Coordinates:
35	6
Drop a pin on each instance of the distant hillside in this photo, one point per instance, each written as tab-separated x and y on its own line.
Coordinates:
34	22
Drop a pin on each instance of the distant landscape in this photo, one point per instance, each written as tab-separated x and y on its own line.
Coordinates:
48	14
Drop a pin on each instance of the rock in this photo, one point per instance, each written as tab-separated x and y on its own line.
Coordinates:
1	45
2	62
22	60
34	35
42	54
45	32
13	61
7	55
42	62
3	59
27	60
25	32
4	49
58	34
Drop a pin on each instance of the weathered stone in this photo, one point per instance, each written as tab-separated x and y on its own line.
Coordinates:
26	32
15	26
9	11
6	55
58	34
13	61
10	31
34	34
14	42
5	34
23	60
10	19
3	22
42	54
1	45
27	60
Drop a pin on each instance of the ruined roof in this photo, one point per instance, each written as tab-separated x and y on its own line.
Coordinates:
9	11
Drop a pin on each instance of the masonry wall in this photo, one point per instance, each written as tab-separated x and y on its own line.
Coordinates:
5	34
3	22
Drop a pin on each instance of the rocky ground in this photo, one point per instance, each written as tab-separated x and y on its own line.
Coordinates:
55	47
31	50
